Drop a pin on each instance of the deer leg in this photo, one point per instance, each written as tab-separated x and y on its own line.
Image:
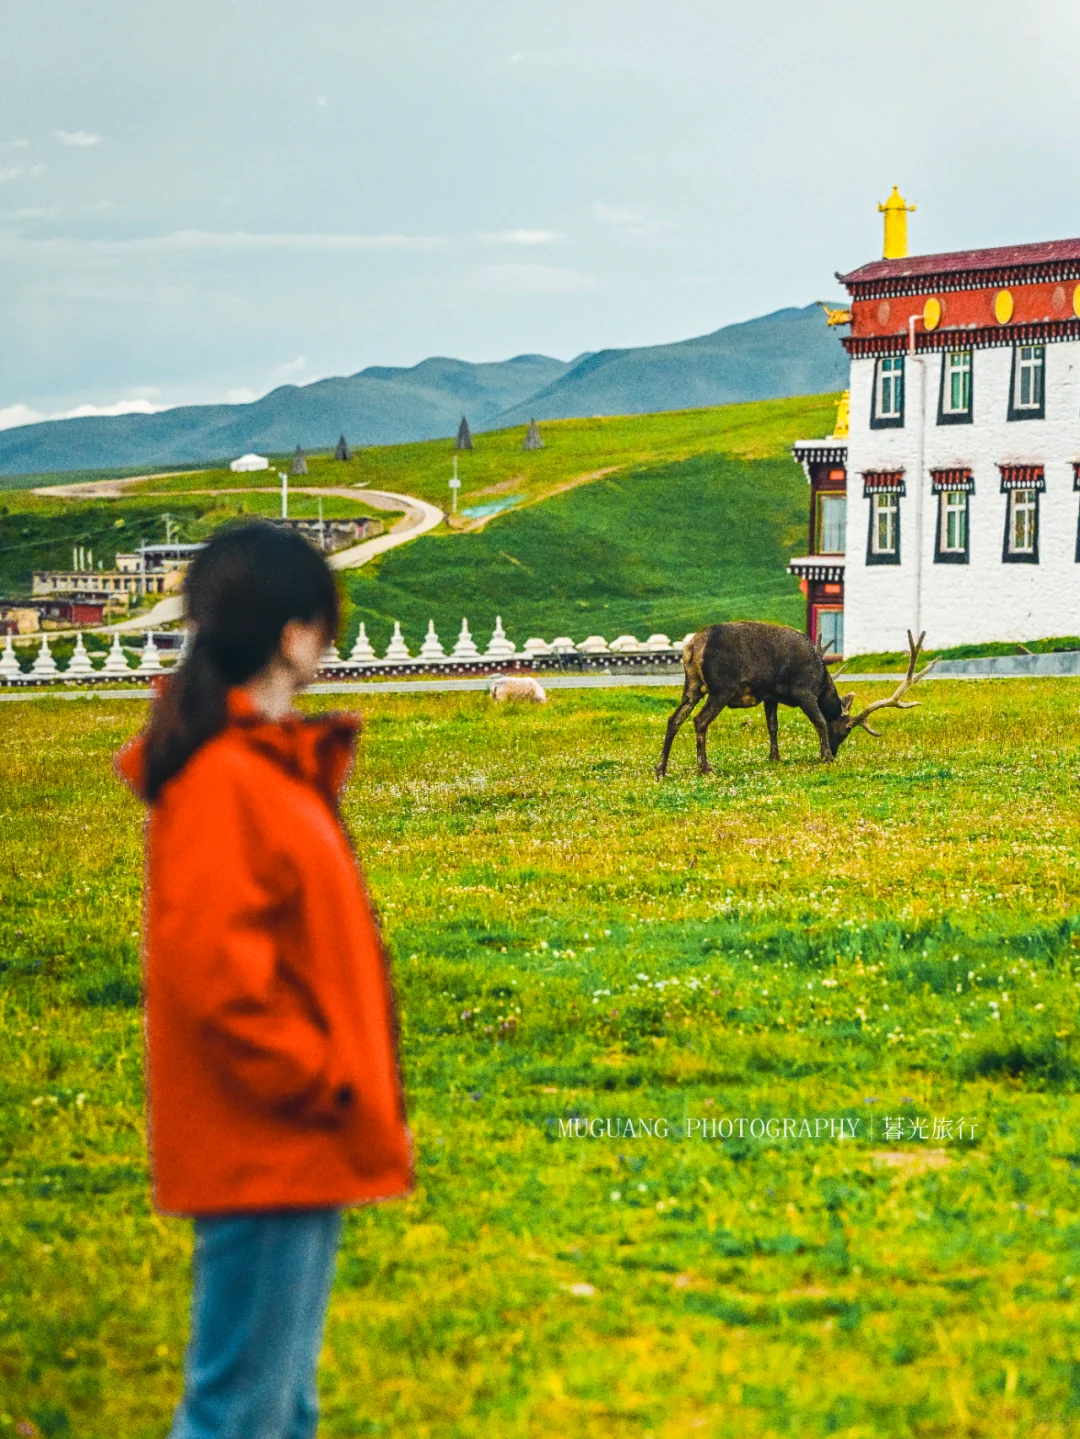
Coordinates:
692	692
702	720
770	720
811	710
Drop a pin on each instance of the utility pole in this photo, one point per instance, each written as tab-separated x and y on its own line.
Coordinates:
455	485
322	529
169	527
284	494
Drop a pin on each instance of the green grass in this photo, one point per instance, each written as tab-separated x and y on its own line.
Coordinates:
892	936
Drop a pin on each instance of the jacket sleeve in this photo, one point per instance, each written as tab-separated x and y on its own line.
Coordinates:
225	898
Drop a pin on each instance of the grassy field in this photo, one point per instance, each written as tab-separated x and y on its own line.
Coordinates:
890	939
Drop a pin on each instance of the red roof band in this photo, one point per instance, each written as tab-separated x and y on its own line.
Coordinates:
1004	257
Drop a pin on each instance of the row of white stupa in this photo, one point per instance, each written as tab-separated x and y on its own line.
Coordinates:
500	647
80	666
465	651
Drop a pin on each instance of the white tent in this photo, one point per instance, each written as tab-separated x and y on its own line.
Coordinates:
249	462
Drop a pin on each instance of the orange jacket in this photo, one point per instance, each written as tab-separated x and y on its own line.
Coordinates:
272	1069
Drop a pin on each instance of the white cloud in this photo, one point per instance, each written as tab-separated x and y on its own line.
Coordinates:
320	102
292	367
240	396
121	407
31	214
520	237
13	415
12	172
517	56
530	280
14	144
81	139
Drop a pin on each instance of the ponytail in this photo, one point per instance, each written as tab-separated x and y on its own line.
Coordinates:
240	592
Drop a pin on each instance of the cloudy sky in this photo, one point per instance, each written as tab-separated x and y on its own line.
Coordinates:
200	201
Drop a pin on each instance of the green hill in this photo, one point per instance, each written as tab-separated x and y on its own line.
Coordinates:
657	546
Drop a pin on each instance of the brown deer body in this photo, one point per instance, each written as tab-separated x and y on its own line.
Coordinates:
745	663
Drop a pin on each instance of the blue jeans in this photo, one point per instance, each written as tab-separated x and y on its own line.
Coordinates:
262	1283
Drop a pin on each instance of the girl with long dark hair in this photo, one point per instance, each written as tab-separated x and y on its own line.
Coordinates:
273	1084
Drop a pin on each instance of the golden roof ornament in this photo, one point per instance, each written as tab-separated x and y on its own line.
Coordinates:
835	317
843	416
896	210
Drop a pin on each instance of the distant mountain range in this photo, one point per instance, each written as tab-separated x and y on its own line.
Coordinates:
790	352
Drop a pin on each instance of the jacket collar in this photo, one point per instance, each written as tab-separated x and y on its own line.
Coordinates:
317	749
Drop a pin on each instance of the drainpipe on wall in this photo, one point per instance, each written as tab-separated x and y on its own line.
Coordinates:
919	445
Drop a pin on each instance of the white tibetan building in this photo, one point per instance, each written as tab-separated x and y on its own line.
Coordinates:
948	501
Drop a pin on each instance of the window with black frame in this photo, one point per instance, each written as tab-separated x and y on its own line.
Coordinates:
887	405
1027	392
955	401
954	488
884	489
1022	486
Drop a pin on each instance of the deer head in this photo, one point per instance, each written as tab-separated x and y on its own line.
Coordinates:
840	728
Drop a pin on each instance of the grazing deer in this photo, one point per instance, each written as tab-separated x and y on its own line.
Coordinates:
743	664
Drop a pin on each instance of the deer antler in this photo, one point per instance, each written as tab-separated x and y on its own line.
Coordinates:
896	699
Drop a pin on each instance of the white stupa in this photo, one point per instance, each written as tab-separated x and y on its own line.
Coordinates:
116	660
431	649
658	642
150	664
626	645
44	664
536	647
499	647
465	649
9	665
594	645
563	645
397	652
362	651
331	659
81	666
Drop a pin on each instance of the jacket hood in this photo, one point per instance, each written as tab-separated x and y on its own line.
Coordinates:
318	749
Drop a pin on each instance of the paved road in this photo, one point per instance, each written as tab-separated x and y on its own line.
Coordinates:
474	682
419	517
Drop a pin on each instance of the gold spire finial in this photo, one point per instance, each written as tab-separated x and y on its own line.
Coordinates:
896	210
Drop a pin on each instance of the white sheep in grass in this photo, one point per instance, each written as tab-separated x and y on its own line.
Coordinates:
520	687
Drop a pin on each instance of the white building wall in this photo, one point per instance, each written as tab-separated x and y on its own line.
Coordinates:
988	598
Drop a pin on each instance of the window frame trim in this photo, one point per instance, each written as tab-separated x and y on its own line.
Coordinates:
882	557
1020	557
888	422
956	417
1026	412
942	556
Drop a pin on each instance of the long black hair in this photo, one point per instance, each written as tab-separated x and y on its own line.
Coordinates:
239	594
